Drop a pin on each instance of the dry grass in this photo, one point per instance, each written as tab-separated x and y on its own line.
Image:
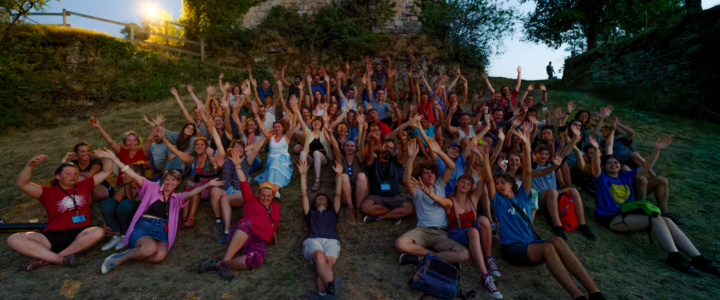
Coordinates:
623	266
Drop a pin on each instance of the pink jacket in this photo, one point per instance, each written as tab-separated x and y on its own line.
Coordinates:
150	192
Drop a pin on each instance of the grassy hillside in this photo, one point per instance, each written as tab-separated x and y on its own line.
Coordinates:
623	266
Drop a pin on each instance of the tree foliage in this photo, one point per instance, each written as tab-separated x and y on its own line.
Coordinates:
471	29
211	19
555	22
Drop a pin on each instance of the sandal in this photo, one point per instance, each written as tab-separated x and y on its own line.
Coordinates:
188	223
316	186
33	264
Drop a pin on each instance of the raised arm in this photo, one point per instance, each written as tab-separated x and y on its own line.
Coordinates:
604	113
95	123
596	170
291	129
302	168
465	91
449	163
23	181
487	82
197	191
407	174
187	115
527	164
630	132
498	145
361	138
519	81
107	166
185	157
282	76
337	201
137	178
650	162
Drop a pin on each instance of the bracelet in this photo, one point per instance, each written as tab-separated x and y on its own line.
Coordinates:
125	168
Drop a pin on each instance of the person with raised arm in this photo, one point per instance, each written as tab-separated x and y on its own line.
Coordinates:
317	149
128	154
278	168
251	235
521	246
354	179
183	140
88	166
196	118
322	243
507	96
67	202
431	230
614	188
468	227
153	229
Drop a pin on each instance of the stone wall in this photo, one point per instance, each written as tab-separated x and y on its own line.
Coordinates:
404	22
678	60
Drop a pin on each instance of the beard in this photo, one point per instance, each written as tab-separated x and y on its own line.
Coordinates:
385	155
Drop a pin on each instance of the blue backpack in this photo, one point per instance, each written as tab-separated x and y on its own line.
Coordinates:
437	278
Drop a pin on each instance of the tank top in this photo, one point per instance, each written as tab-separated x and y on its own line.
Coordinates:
462	135
460	221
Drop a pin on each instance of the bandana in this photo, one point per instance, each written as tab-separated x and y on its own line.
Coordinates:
268	185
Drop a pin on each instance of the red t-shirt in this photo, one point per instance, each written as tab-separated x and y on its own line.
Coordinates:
427	110
124	157
513	95
384	128
61	208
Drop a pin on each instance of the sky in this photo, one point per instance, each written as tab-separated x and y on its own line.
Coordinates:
516	52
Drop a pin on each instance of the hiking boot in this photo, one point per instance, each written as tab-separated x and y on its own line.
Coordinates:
350	216
491	265
335	287
585	230
407	259
69	261
596	296
369	218
559	231
703	264
218	227
110	262
225	271
489	286
223	239
673	218
112	243
681	265
210	264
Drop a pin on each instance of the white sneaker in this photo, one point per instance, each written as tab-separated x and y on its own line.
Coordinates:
111	244
121	244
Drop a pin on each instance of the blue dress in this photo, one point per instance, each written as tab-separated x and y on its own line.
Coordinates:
278	168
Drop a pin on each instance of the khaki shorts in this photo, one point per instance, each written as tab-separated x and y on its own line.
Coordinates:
391	202
433	238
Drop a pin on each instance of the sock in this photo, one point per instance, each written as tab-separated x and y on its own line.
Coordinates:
227	231
218	220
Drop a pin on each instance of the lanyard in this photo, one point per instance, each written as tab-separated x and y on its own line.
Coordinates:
167	203
71	197
270	214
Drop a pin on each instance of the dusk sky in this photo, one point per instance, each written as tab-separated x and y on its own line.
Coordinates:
533	57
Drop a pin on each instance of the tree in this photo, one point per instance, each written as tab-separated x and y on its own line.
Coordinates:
12	11
555	22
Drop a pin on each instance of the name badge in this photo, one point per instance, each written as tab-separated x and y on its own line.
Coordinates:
384	186
78	219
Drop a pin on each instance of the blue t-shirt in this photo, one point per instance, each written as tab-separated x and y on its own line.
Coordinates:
382	108
439	100
546	182
613	192
264	93
513	228
430	132
459	171
621	147
159	154
319	87
365	97
430	213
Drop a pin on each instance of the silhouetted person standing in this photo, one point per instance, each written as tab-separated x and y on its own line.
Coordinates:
550	71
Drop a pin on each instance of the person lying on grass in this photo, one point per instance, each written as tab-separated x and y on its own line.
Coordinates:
251	235
67	203
154	226
460	209
322	244
614	188
520	244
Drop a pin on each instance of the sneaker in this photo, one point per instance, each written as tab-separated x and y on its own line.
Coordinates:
110	264
585	230
703	264
397	221
596	296
407	259
489	287
350	216
491	265
335	287
218	227
359	216
121	244
69	261
210	264
112	243
369	218
681	265
316	186
559	231
225	271
223	239
495	227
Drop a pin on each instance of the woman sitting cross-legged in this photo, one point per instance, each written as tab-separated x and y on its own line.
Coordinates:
153	228
520	245
468	228
614	188
252	234
322	244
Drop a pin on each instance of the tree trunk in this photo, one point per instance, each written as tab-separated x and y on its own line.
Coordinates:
693	5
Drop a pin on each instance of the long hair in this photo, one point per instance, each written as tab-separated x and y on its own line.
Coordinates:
183	141
80	144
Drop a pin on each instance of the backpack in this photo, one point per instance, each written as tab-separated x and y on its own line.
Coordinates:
437	278
566	208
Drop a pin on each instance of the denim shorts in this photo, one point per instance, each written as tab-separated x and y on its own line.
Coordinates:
460	235
154	228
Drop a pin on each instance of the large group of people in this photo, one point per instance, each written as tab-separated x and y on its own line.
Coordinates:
418	149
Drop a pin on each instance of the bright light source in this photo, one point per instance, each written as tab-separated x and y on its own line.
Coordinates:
151	12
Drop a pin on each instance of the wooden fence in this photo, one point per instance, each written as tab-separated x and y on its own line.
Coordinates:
66	13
